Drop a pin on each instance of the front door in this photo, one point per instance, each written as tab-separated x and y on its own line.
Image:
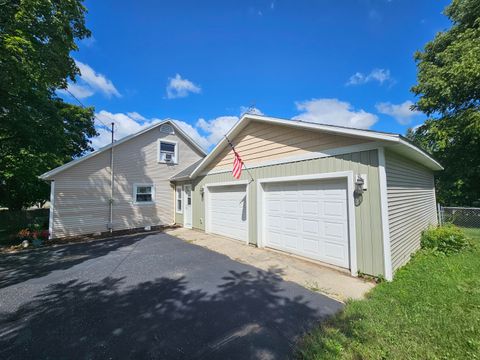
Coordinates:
187	216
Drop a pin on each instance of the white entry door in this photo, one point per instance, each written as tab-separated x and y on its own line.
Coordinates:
187	213
308	218
227	211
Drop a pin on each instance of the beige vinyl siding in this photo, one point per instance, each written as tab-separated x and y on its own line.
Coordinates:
82	192
260	142
411	205
367	214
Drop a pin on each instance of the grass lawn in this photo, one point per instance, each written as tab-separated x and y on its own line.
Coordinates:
430	311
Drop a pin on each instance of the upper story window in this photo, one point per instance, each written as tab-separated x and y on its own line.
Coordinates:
167	129
144	193
167	152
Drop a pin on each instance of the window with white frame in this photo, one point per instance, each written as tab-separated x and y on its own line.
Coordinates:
167	152
179	199
143	193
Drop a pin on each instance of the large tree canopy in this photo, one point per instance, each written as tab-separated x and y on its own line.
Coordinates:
38	131
449	92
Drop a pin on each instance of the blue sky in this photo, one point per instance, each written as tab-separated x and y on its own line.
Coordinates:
340	62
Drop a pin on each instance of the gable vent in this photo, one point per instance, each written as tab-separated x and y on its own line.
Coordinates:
167	129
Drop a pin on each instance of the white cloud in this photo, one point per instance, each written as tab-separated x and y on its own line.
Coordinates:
334	112
132	122
205	132
79	91
400	112
379	75
193	133
178	87
216	128
124	125
88	83
136	116
96	81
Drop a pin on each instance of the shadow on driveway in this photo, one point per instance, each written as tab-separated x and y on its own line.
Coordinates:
215	308
33	263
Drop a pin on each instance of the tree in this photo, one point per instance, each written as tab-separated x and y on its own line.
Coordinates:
448	76
38	130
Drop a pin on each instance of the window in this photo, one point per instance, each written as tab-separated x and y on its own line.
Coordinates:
179	199
167	152
143	193
167	129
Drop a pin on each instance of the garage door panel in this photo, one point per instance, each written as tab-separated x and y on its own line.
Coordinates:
311	226
312	217
275	237
335	230
274	205
334	251
291	241
334	208
274	222
227	212
310	207
290	224
290	206
310	245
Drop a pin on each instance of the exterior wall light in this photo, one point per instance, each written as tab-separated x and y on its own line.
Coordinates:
359	182
360	187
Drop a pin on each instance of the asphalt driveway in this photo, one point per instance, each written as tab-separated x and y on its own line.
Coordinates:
148	296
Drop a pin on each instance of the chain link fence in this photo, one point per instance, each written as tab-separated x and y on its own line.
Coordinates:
461	216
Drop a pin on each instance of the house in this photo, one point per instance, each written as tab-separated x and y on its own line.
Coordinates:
354	199
143	195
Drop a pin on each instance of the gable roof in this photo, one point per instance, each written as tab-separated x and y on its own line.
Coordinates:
402	144
49	174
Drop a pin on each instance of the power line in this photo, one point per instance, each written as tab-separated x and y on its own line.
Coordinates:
82	105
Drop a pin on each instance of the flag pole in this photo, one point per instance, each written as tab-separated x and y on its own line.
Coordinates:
236	154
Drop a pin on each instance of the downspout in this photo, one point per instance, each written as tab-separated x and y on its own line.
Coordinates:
110	224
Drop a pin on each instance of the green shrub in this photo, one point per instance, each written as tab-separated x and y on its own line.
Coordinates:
446	239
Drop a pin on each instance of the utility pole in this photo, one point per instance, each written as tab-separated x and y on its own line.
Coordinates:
111	181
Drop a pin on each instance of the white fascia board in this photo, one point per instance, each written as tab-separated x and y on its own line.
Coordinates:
368	134
188	137
246	119
219	147
428	160
392	139
48	175
68	165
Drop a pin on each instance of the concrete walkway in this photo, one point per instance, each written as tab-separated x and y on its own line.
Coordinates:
323	279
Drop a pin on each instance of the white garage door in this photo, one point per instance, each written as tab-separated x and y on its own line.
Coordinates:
309	219
227	211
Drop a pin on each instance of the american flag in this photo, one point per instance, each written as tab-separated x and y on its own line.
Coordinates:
237	166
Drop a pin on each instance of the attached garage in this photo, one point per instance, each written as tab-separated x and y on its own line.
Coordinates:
227	211
308	218
320	192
